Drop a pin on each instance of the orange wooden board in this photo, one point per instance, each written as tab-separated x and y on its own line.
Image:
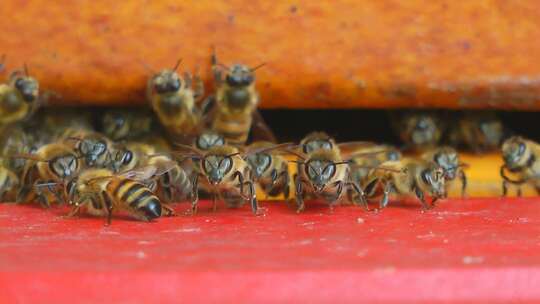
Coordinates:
333	54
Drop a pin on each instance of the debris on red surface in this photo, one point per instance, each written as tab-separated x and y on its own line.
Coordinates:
477	250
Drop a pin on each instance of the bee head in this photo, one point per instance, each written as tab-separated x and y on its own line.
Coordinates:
209	139
447	158
167	81
92	149
259	163
320	172
27	86
515	153
64	166
216	167
433	178
492	129
421	130
239	76
123	158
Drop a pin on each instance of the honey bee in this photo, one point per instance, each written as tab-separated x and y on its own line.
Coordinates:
50	166
323	174
94	148
364	159
270	169
448	159
126	124
520	159
233	110
173	99
478	132
419	130
100	192
19	99
407	177
227	174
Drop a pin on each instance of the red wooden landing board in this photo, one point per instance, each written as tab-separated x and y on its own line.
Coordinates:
464	251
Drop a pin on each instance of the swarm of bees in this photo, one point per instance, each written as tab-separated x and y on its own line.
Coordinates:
139	163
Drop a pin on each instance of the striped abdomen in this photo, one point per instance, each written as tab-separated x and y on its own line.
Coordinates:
175	184
235	128
135	197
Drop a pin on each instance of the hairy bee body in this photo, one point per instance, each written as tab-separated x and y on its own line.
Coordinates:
270	170
174	101
406	177
227	175
368	158
234	114
520	158
19	99
50	166
14	140
130	155
101	193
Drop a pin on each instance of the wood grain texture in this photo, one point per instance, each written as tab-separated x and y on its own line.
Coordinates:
333	54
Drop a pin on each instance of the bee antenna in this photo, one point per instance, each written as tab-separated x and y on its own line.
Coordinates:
257	67
26	69
222	65
177	64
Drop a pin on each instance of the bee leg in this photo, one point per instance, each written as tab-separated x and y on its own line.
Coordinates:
108	206
504	188
169	211
42	198
463	178
198	87
360	194
300	206
56	194
253	199
388	188
194	194
216	70
519	194
214	202
420	196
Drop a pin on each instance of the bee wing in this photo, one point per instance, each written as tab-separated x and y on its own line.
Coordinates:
351	146
147	172
278	147
260	130
27	156
366	154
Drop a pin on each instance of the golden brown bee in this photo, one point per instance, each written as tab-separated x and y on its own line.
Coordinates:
101	192
49	167
520	160
19	99
93	148
9	184
269	168
50	124
478	132
318	140
448	159
234	112
323	174
364	159
419	130
227	174
407	177
173	99
126	124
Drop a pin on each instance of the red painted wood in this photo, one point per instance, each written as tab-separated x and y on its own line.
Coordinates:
464	251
